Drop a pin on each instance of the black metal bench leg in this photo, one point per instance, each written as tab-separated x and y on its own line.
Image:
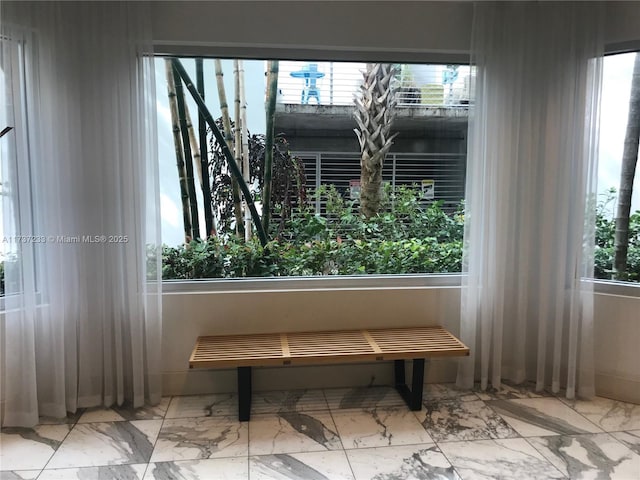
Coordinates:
417	384
413	397
399	372
244	393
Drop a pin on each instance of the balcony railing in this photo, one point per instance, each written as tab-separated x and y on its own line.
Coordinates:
336	83
444	173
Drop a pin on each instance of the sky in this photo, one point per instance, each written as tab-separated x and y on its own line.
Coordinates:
616	87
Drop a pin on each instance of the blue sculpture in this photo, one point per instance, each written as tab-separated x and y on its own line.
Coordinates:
310	74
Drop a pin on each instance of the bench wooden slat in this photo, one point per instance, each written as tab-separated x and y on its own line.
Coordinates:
324	347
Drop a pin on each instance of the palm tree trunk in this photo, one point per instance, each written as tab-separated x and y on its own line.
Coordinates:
177	141
228	136
188	160
204	157
272	93
627	174
233	166
375	109
246	173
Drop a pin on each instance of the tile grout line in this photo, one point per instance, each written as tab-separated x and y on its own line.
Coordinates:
526	439
73	426
518	436
344	450
447	459
573	410
545	458
249	447
155	443
583	416
328	409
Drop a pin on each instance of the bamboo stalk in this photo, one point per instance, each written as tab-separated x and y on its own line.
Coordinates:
236	101
233	166
228	135
193	141
188	160
272	92
246	173
238	137
177	141
224	106
204	156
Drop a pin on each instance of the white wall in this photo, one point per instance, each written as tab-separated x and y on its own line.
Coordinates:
621	26
617	346
340	29
186	316
345	30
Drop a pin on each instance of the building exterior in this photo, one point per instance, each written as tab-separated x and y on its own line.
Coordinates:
431	122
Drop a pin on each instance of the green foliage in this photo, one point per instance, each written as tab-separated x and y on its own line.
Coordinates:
605	234
605	251
216	259
408	237
288	182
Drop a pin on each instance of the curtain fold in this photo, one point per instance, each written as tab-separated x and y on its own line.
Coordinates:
526	311
82	322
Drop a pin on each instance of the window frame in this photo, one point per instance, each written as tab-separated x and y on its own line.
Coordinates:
259	53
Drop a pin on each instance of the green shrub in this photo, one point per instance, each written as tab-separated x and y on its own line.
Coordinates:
604	263
408	237
605	236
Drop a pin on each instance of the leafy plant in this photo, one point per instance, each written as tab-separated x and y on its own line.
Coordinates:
409	236
287	184
605	234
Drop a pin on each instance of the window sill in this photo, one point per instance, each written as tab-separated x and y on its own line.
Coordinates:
378	282
611	287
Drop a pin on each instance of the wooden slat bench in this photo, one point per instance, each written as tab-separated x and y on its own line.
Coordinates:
345	346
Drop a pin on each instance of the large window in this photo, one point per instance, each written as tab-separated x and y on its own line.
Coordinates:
15	242
615	188
367	173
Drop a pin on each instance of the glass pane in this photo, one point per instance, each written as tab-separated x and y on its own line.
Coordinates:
616	91
320	223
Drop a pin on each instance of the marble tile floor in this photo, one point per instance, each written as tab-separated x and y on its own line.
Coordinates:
358	434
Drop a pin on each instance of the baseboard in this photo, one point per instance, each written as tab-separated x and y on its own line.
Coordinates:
618	388
195	382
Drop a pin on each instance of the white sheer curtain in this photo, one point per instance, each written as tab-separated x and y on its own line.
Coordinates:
82	321
529	235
